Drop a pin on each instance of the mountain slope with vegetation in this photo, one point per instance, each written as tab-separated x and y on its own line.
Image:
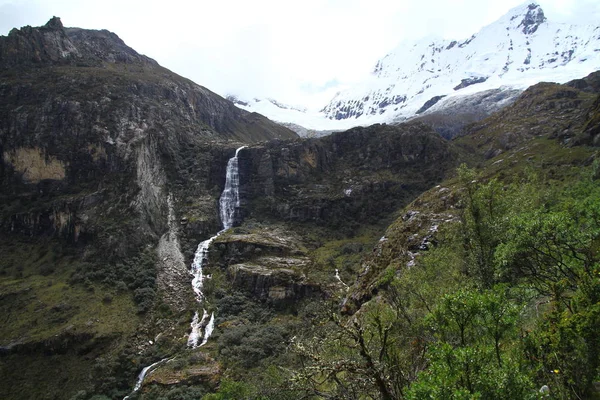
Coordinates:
96	141
379	263
486	286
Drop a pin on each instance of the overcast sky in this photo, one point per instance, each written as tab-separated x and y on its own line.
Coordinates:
296	51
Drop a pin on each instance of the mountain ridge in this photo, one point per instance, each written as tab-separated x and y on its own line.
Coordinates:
519	49
33	49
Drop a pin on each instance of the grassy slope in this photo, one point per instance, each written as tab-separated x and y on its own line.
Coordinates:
59	329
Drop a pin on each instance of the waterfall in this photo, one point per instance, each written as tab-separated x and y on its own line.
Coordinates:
209	329
230	198
337	276
199	258
143	374
196	328
229	202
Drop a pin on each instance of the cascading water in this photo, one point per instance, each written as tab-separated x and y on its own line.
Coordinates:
143	374
228	203
230	198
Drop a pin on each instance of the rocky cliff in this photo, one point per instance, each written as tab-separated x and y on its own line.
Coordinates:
359	175
81	111
100	150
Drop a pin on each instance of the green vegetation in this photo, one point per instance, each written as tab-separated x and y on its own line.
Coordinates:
137	274
507	302
74	330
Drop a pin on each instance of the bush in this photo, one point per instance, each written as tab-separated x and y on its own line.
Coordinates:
144	297
137	274
247	345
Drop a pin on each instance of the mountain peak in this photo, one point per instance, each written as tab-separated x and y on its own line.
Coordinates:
54	44
533	18
54	23
527	17
48	44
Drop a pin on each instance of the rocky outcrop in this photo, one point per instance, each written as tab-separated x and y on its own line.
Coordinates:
470	81
589	84
44	45
347	178
52	44
275	279
532	19
404	241
544	110
207	374
429	103
267	262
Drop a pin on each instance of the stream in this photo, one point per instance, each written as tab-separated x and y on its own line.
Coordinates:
228	203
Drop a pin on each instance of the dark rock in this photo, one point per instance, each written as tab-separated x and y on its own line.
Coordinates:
460	111
589	84
470	81
277	285
546	109
308	180
532	19
429	103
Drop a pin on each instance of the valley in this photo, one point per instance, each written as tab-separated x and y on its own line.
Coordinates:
160	243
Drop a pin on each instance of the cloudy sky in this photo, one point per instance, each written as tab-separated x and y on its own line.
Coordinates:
299	52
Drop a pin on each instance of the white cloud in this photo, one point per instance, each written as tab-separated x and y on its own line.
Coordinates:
295	51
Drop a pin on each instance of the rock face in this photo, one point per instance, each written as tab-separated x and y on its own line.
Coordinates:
44	45
430	103
470	81
269	264
561	112
84	115
532	19
450	115
347	178
268	280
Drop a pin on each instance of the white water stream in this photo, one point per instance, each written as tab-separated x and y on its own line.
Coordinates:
143	374
228	203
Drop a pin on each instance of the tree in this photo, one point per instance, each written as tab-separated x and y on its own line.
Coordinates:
467	360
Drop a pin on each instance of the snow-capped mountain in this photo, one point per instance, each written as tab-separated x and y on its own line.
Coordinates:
520	49
267	102
299	119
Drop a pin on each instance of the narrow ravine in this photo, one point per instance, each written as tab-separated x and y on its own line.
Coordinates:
200	328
